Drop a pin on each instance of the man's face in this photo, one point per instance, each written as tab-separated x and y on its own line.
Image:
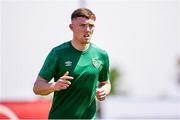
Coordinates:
82	29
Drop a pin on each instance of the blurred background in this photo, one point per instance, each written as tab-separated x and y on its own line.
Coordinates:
142	38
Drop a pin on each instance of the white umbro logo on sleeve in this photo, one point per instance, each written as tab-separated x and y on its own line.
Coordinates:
68	63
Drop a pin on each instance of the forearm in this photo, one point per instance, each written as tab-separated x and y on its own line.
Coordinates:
43	88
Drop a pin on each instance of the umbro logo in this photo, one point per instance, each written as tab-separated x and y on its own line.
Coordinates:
68	63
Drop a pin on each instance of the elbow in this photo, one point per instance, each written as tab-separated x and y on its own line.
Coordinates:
41	87
35	90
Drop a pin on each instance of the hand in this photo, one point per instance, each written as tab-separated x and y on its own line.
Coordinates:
63	82
100	94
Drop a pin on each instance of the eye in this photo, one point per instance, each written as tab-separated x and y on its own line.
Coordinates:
83	25
91	25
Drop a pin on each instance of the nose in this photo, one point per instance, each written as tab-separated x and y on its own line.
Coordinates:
87	28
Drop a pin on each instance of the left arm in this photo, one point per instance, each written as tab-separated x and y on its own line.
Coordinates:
103	90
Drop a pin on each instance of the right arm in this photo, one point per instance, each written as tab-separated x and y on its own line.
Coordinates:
43	87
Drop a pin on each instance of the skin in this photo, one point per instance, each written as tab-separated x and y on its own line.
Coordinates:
43	87
82	29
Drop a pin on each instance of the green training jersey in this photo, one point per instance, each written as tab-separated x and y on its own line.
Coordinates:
87	67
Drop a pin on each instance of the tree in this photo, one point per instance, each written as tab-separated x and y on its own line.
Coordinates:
114	75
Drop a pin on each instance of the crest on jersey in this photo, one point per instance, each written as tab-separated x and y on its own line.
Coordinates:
96	63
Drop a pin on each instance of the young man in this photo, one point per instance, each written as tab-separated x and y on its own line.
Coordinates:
80	71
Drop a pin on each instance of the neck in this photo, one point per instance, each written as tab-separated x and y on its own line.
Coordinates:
79	46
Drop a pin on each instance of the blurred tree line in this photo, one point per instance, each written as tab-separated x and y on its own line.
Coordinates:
114	75
178	71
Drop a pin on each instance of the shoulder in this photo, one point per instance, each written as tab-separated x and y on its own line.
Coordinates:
60	49
62	46
99	50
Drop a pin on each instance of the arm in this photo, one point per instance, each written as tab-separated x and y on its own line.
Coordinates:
43	87
103	90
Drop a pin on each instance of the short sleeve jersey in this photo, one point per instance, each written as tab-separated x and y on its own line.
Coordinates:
87	68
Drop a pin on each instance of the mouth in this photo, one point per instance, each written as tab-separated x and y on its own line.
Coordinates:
87	36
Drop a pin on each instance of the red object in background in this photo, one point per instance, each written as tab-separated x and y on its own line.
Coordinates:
25	109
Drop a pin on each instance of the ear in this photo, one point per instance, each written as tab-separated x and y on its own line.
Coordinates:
70	26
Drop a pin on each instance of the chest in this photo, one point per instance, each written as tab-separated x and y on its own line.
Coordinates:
80	65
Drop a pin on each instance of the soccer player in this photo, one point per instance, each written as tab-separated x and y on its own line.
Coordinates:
80	70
